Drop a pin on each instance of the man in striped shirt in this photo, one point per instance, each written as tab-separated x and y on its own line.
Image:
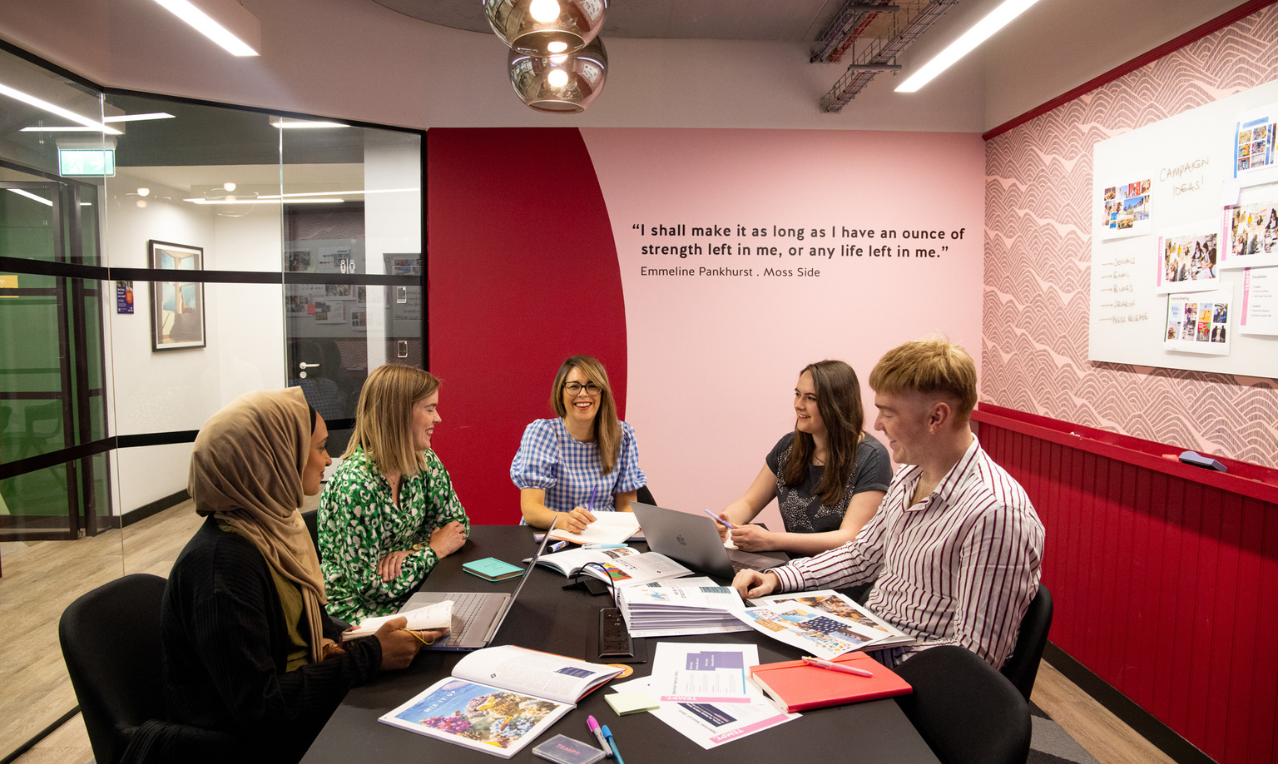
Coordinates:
955	548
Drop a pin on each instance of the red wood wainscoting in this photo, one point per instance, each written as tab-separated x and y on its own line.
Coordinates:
1164	576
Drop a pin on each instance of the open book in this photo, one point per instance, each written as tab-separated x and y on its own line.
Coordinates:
570	562
836	604
608	528
522	693
436	616
624	567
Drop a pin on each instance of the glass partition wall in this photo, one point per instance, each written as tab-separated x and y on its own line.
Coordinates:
159	258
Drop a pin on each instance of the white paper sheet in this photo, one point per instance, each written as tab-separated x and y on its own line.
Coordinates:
710	725
694	672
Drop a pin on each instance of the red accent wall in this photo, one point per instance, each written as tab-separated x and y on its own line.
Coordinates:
522	273
1163	583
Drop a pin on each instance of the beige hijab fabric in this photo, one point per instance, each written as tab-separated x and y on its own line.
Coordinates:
246	468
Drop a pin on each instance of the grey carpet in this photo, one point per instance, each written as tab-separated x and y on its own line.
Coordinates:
1049	744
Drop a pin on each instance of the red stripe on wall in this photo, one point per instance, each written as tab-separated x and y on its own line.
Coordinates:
523	273
1163	587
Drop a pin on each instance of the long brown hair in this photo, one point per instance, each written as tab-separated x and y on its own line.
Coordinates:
838	394
607	428
384	416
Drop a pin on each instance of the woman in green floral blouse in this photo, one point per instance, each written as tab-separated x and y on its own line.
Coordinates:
390	512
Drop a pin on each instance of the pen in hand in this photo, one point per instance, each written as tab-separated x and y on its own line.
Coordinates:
835	666
718	519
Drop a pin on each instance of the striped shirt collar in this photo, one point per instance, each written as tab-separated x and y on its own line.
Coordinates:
949	485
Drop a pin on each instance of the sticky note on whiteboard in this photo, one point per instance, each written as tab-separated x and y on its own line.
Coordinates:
1230	192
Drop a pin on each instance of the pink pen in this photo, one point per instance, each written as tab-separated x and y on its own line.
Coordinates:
835	666
603	742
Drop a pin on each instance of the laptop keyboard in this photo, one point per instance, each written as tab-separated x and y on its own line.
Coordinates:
465	608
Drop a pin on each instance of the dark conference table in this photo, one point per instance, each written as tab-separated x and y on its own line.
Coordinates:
545	617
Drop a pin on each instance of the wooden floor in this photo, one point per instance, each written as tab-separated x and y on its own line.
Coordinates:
41	579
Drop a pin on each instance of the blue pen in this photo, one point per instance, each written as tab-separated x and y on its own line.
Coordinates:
590	504
603	546
612	744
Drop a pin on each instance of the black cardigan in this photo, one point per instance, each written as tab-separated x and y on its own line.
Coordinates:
225	648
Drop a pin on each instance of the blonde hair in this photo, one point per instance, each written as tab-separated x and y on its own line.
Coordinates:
930	365
384	415
607	428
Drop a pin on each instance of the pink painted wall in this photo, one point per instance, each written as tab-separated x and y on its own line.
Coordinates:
1037	260
714	359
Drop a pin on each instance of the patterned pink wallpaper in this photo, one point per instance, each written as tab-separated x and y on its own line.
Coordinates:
1038	255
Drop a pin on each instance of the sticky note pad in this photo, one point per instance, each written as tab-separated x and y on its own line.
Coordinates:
631	702
492	569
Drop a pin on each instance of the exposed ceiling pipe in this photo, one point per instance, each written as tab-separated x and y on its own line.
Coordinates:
846	26
879	53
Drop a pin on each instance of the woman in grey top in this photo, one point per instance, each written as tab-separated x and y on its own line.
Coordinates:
828	476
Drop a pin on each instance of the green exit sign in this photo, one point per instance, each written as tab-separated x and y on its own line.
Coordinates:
93	162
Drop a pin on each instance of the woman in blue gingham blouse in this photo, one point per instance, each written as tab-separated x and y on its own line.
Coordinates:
583	462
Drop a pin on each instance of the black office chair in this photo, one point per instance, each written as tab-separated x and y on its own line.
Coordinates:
312	527
1021	668
645	496
111	644
967	712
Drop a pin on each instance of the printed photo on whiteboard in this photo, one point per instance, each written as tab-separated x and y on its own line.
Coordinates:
1199	322
330	312
359	319
297	304
1187	257
1125	208
1251	230
339	291
1254	146
298	260
1259	312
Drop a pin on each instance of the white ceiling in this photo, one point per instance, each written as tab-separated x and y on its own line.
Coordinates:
361	60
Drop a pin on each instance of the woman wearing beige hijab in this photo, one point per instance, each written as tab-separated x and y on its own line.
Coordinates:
251	660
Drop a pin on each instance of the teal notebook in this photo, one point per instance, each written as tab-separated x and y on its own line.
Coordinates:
492	569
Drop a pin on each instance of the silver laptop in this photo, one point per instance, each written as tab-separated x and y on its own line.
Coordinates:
693	540
476	615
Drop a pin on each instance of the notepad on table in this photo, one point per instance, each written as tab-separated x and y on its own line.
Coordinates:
608	528
492	569
797	686
632	702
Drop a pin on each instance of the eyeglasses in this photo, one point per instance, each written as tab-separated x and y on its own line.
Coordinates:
574	388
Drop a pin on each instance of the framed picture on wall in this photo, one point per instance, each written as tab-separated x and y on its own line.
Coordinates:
177	305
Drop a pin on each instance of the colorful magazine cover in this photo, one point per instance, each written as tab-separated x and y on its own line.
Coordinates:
477	716
819	633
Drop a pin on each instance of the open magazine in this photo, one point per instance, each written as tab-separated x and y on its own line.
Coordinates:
815	631
436	616
836	604
624	566
571	561
522	693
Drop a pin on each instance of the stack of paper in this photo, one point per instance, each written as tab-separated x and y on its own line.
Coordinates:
814	631
715	705
683	606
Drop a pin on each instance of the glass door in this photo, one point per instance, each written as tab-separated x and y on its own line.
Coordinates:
52	407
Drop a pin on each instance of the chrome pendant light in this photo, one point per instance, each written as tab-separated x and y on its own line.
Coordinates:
546	27
565	83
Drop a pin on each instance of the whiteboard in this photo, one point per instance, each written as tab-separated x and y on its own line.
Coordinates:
1187	158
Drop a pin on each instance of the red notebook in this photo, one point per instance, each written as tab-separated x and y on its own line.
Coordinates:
798	686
